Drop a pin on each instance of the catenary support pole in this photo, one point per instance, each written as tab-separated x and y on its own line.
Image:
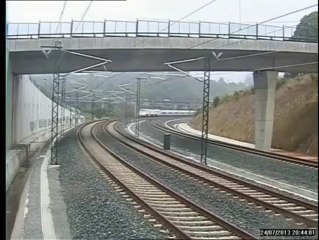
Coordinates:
125	109
62	103
70	112
55	109
137	109
205	114
77	108
92	106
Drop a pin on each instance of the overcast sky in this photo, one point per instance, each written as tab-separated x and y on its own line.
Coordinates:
219	11
244	11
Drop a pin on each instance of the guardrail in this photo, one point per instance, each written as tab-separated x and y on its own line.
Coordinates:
147	28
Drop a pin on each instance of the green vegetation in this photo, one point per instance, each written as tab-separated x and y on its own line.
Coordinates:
308	27
295	117
280	83
216	101
184	89
314	77
187	89
236	95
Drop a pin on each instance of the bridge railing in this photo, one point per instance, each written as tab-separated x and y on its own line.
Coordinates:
149	28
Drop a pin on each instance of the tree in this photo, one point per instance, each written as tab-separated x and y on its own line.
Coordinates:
236	95
307	29
216	101
99	113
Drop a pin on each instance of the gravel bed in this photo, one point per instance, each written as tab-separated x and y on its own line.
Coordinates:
241	214
94	209
296	175
195	157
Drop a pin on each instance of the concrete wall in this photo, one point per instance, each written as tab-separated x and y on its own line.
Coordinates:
31	109
8	86
29	125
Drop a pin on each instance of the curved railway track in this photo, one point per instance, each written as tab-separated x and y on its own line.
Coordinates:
303	213
183	218
309	163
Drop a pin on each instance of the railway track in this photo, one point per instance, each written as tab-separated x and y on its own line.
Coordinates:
309	163
183	218
305	214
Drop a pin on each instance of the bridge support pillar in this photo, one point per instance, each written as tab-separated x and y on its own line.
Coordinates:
265	87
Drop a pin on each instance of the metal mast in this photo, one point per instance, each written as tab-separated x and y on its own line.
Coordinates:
77	107
205	110
92	106
62	103
57	78
137	109
125	109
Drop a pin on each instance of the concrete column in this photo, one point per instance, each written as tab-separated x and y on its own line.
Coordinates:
265	87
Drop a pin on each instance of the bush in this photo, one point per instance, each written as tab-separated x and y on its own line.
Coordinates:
236	95
314	77
226	99
216	101
280	83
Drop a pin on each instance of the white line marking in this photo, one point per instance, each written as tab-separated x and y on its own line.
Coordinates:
46	215
26	209
169	127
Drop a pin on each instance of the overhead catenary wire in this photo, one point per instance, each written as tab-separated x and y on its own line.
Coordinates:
236	58
61	16
169	64
187	15
265	21
272	67
196	10
83	16
239	10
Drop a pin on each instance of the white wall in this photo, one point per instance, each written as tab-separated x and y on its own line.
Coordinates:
31	115
31	109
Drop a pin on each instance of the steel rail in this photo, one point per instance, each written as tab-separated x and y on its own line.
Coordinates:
309	163
161	218
180	233
269	206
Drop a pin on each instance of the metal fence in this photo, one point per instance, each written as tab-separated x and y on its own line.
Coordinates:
147	28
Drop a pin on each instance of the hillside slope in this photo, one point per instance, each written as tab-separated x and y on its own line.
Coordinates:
296	117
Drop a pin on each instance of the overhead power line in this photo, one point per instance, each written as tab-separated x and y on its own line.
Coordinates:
83	16
61	16
287	14
269	20
196	10
187	15
239	10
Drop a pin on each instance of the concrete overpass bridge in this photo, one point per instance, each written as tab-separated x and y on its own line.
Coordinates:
146	45
137	47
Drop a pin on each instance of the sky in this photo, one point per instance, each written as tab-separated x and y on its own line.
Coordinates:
243	11
251	11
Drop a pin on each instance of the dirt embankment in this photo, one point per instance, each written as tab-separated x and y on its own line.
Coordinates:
296	117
